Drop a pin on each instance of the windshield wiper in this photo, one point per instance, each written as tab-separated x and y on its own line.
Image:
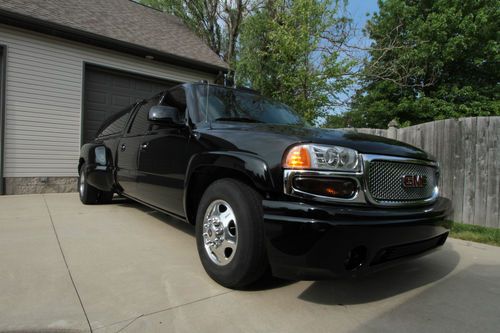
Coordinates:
240	119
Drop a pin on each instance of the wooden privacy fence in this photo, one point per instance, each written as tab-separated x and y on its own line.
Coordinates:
468	151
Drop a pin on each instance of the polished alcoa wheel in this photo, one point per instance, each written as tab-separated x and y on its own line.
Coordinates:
220	232
230	233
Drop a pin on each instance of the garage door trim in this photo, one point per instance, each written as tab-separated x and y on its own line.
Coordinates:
3	81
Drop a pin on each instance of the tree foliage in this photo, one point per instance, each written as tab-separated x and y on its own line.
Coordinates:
430	59
290	51
217	22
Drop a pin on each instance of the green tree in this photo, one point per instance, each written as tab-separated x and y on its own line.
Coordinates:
290	51
430	59
217	22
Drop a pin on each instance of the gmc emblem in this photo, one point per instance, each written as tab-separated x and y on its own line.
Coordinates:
414	181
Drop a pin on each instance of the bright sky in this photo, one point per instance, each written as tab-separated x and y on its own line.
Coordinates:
358	10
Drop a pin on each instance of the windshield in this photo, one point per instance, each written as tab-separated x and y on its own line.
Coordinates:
226	104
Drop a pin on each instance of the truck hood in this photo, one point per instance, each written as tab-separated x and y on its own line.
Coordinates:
263	139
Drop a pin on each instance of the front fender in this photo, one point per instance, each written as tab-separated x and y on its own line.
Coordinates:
250	165
222	164
99	168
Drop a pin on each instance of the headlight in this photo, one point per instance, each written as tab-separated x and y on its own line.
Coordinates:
312	156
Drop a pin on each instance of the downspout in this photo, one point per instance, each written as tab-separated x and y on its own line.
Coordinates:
3	61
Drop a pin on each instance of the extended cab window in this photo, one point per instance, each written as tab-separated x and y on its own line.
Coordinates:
140	125
116	124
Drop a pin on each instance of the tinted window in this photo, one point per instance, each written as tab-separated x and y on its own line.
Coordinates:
225	104
116	124
140	125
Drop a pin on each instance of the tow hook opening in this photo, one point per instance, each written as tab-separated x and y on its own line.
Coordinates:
356	257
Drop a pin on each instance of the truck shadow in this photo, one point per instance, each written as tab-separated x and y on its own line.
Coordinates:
385	283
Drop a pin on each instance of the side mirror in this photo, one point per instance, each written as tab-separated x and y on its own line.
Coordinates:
164	114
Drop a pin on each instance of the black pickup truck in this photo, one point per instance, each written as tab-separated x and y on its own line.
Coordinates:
265	191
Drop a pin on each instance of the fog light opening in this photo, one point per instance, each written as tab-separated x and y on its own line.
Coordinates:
344	188
355	258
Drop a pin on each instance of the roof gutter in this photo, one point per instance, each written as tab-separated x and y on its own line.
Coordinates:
58	30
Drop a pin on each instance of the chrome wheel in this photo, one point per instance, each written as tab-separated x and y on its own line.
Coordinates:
81	187
220	232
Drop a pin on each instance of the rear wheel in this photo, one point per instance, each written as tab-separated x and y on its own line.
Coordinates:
89	194
230	233
105	197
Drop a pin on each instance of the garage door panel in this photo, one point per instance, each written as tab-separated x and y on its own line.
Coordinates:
145	86
121	101
94	123
122	82
108	92
94	120
97	109
96	97
97	78
97	106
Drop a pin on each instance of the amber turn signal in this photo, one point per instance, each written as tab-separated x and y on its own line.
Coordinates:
298	158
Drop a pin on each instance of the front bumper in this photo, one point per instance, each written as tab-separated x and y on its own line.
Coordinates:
314	241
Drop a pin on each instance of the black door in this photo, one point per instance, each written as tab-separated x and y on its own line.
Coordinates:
128	149
163	159
126	174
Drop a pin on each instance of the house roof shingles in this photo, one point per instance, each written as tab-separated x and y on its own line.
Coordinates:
121	20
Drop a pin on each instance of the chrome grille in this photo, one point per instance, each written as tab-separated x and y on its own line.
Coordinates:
385	181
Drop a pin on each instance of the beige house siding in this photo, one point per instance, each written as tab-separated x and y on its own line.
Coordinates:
44	91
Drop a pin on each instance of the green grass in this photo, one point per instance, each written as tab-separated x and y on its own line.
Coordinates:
475	233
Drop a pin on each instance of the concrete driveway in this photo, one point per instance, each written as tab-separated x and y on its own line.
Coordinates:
123	267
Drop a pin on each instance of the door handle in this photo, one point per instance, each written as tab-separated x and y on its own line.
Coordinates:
123	147
144	146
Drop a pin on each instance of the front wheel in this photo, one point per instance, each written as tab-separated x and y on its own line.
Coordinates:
230	233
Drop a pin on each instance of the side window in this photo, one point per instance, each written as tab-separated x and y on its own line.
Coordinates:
116	126
141	123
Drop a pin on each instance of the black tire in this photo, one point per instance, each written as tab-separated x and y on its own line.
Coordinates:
105	197
89	194
249	261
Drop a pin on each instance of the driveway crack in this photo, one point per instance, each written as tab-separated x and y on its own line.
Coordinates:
66	263
132	320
